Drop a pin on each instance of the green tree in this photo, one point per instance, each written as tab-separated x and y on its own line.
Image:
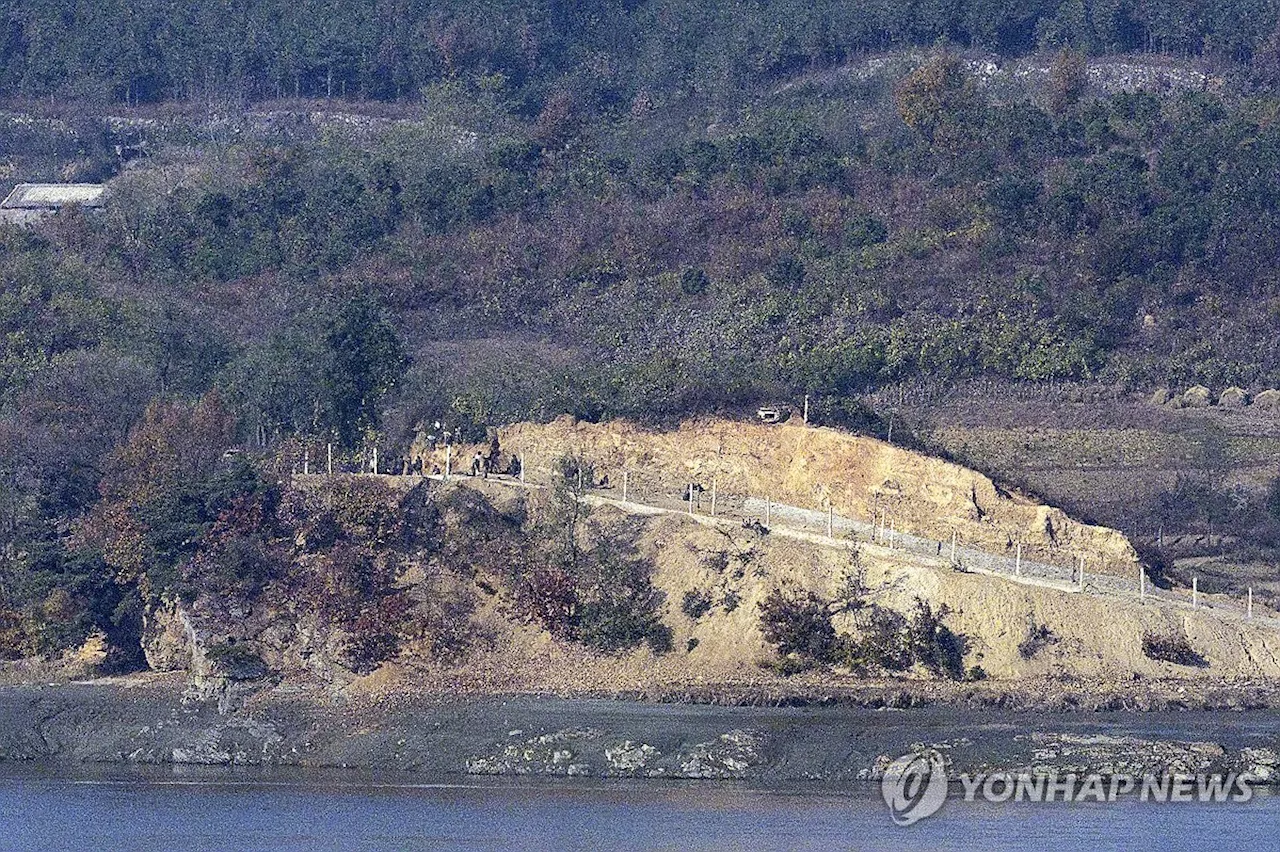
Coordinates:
367	360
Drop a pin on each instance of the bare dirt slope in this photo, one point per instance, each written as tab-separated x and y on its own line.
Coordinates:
1098	640
1089	636
858	477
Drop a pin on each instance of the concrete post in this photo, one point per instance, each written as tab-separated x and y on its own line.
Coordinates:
690	495
713	498
768	514
448	461
893	535
375	461
1142	583
1195	592
330	459
1082	572
624	486
830	519
306	462
806	409
953	545
1017	562
1249	608
579	478
522	468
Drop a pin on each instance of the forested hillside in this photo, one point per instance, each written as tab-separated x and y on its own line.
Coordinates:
603	52
642	210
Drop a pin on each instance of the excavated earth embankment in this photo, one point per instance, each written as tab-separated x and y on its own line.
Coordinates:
859	477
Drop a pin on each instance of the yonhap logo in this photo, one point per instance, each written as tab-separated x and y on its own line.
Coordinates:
915	786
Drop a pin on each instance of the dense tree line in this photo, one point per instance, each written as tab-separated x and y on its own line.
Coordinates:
604	52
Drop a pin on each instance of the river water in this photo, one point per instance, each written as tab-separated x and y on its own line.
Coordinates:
222	811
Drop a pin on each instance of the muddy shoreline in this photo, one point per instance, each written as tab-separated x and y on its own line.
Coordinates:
73	727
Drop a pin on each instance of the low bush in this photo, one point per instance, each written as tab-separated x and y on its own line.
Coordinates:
696	603
933	644
787	666
882	644
1173	648
238	662
1037	639
612	626
798	624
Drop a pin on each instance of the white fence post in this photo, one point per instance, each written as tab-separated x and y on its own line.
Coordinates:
768	510
1195	592
375	461
306	462
830	521
953	545
1017	562
1082	572
713	498
1249	609
689	486
522	468
624	486
1142	583
329	461
448	461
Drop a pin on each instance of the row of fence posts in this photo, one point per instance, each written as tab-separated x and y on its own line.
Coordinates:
882	527
373	463
1195	593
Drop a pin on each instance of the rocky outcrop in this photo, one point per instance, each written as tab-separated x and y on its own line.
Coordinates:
219	671
1268	400
729	756
1063	753
555	753
586	751
168	637
1161	396
1197	396
1260	764
1233	397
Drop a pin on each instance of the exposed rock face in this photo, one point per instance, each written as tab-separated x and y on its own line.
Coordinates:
168	638
629	758
1233	397
93	653
1260	764
557	753
171	641
583	751
1268	400
1161	396
1197	396
1063	753
730	756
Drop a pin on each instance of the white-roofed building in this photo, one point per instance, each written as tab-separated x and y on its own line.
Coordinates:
32	201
